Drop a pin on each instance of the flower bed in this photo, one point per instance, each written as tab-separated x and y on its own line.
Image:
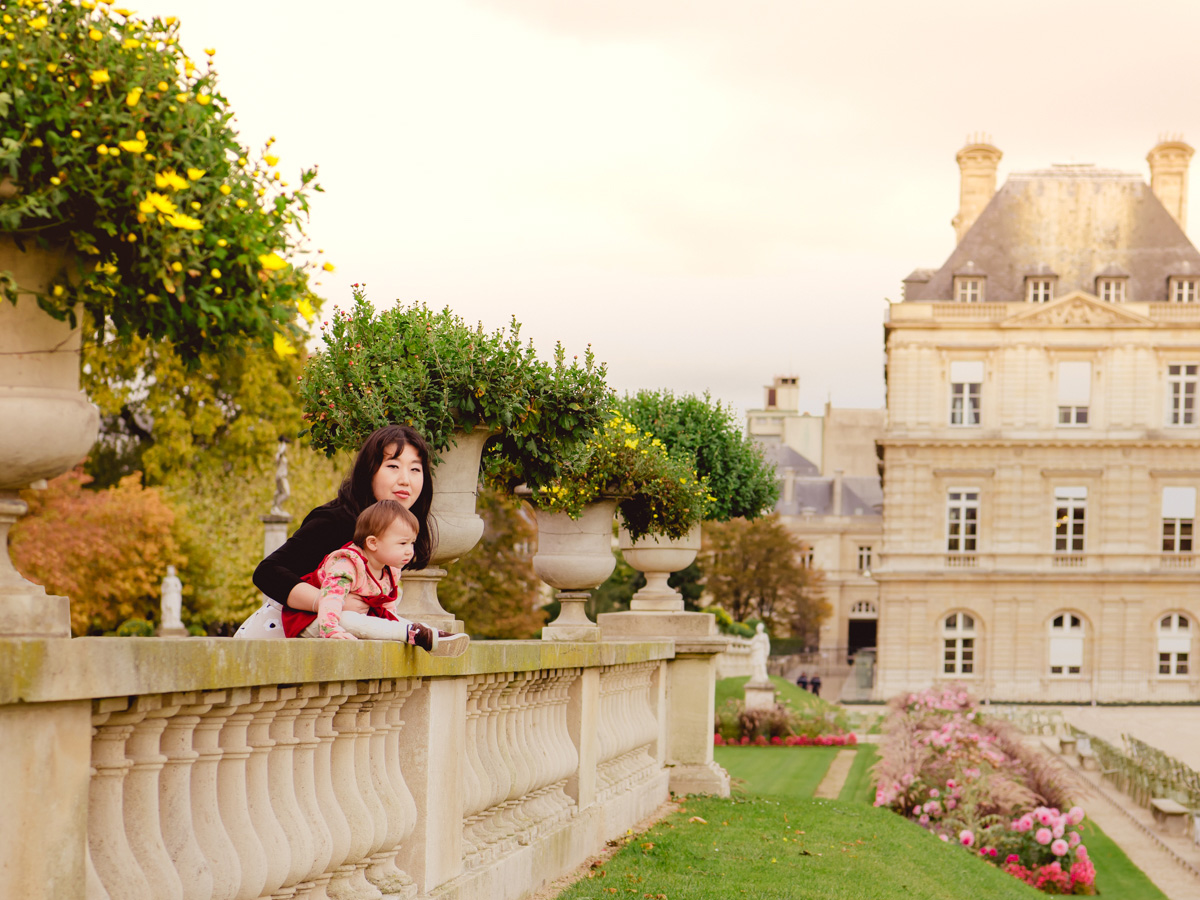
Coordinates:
967	778
791	740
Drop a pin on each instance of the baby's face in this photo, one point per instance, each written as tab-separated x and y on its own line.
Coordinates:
394	547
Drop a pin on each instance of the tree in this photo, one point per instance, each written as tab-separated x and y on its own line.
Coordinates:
493	589
753	568
106	550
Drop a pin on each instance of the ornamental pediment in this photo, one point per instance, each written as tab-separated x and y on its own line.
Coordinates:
1077	310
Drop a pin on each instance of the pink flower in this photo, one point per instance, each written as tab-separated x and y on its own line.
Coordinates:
1059	847
1081	851
1073	839
1058	829
944	837
966	838
951	803
1043	836
933	792
1074	816
924	820
1012	858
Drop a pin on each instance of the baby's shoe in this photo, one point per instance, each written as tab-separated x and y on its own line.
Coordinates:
423	636
450	644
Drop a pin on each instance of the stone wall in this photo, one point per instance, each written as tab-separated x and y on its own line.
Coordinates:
152	769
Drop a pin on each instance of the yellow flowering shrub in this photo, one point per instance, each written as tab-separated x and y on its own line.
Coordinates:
116	145
660	494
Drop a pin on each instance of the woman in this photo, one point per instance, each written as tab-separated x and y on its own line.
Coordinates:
392	464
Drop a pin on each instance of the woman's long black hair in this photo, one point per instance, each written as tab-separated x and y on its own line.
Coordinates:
355	494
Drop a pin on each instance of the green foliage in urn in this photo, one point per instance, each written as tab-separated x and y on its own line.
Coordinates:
660	493
120	150
414	366
741	481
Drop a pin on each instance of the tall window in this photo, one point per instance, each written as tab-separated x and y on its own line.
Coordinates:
1178	514
1070	519
1111	290
968	290
807	557
1181	393
1174	644
1183	290
1074	392
864	560
1066	645
1039	290
958	644
962	520
966	391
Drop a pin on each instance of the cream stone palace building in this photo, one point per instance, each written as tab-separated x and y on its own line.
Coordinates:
1041	456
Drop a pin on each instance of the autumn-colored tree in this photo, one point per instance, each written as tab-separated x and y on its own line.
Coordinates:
753	569
493	589
106	550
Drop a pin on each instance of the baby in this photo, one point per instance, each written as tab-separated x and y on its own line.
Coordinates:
359	587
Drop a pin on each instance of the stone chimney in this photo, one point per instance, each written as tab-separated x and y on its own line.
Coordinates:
977	163
837	492
1169	175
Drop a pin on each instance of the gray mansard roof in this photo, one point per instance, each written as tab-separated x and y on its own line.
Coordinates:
1073	222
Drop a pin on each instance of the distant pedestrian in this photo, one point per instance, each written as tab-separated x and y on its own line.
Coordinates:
815	684
802	681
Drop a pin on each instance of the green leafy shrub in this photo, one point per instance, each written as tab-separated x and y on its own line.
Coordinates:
135	628
120	150
742	483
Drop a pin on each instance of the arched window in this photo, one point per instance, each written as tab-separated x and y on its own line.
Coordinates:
1174	644
958	644
1066	645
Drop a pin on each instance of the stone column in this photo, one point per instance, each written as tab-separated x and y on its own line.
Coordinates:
691	690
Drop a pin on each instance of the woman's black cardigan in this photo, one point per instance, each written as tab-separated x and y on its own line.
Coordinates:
325	529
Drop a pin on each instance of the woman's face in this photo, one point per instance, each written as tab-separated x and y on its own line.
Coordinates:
399	478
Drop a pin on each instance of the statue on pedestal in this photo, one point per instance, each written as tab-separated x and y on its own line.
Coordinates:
760	649
171	606
283	490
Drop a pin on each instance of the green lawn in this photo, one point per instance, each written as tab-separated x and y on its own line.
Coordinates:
790	694
859	787
1116	876
786	773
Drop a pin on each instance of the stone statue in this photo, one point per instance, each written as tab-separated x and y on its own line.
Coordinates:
760	649
172	602
282	489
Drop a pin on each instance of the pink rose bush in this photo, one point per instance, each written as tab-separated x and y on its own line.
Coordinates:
969	779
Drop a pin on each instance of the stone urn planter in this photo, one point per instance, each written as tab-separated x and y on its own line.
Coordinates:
657	557
457	529
49	425
574	556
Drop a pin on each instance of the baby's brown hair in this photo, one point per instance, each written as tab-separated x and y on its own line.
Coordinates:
375	519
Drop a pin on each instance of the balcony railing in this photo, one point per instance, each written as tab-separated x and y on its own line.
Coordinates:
1144	563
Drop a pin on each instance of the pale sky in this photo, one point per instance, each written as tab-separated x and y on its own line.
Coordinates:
710	193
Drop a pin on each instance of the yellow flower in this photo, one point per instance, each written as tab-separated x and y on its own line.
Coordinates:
182	98
225	189
133	146
155	202
100	76
272	262
204	99
179	220
58	290
683	481
168	178
306	309
102	150
36	142
221	242
242	204
39	23
55	180
133	97
122	11
211	51
195	205
176	266
328	267
51	68
271	160
131	43
195	174
133	240
162	86
215	273
282	347
95	35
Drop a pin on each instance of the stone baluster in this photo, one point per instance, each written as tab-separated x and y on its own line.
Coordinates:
112	856
220	855
329	795
316	876
377	834
607	746
281	787
382	871
566	752
558	752
175	805
535	749
514	735
505	828
267	702
93	887
343	768
497	775
233	795
475	775
143	826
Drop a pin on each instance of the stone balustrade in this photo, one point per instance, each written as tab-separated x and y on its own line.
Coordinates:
158	769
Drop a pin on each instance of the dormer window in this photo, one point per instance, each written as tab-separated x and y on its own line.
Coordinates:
969	289
1039	290
1185	290
1111	290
